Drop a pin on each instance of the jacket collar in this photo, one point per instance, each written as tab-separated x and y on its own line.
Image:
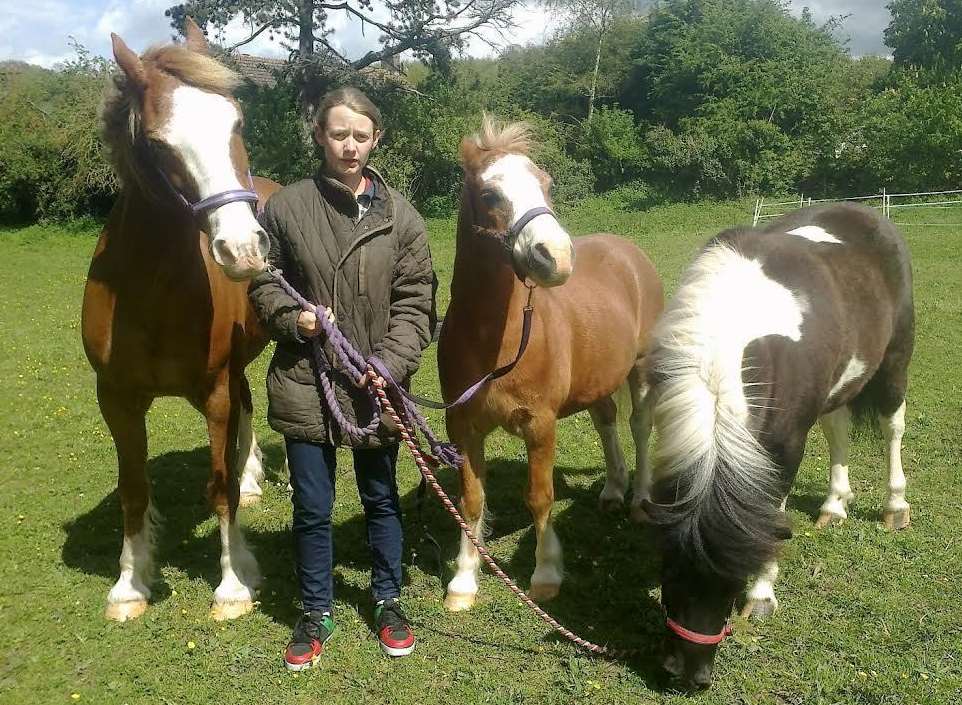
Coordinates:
343	198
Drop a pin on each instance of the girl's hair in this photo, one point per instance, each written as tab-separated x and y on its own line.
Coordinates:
353	99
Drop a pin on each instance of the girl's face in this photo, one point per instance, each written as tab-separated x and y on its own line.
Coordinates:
347	138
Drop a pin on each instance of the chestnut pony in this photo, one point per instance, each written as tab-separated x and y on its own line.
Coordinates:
165	309
595	303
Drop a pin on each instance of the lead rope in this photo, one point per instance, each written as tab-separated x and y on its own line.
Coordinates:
354	362
431	480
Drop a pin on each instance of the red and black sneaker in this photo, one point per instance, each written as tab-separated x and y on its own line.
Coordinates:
393	630
311	632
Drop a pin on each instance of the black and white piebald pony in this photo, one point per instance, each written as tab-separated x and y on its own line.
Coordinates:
772	330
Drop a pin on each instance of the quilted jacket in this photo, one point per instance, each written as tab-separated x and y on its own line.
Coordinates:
374	271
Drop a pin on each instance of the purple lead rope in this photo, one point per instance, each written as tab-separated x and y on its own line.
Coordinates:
356	366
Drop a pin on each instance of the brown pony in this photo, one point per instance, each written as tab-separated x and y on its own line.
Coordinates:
587	338
165	309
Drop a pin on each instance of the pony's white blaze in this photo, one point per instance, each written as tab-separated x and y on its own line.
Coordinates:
853	370
199	130
514	175
128	597
701	411
815	234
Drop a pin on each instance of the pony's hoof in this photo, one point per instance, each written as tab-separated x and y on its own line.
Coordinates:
249	499
639	515
897	519
759	609
124	611
610	504
220	611
828	519
459	601
542	592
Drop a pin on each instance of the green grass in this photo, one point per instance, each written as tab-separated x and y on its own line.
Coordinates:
866	616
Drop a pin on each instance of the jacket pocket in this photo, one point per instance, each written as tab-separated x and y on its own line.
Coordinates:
362	271
295	366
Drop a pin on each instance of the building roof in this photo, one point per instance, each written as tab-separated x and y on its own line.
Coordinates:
259	70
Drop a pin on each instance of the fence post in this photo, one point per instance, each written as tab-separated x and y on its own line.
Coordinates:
758	210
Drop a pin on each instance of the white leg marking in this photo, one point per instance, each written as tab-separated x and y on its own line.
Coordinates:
815	234
129	595
464	585
640	423
616	481
549	564
761	596
893	428
835	426
239	574
251	459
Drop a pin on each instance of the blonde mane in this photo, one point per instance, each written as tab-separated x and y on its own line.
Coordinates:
494	138
120	115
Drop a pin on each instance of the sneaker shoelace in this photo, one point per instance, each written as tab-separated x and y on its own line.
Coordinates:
392	616
310	627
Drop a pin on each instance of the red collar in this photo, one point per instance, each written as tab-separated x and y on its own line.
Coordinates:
695	637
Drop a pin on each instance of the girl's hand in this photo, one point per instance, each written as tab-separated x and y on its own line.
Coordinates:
307	325
369	377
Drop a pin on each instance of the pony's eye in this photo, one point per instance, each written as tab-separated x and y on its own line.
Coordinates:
490	198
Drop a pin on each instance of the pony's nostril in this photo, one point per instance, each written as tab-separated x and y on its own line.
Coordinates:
701	678
222	254
541	256
263	244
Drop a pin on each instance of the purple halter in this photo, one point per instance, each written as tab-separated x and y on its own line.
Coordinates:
218	199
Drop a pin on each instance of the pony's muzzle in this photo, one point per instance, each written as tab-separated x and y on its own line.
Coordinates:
549	263
244	261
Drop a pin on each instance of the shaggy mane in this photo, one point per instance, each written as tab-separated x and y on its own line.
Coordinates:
120	115
494	138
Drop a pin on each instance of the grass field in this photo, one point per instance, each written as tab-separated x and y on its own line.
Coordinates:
866	616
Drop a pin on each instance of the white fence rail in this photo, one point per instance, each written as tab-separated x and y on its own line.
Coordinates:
886	202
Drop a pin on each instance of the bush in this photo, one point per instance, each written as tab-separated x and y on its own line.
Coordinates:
52	164
612	145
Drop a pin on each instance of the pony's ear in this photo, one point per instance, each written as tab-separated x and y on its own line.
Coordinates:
470	154
128	61
196	41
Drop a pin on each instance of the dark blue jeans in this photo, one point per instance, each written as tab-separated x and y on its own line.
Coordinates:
312	477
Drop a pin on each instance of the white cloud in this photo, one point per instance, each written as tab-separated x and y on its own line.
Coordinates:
38	31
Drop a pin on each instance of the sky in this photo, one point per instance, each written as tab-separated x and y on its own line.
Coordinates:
40	31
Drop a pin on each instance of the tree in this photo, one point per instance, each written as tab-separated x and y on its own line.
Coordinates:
555	78
598	17
430	28
926	34
752	97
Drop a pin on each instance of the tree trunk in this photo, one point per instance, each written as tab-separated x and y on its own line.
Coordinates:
594	76
305	22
